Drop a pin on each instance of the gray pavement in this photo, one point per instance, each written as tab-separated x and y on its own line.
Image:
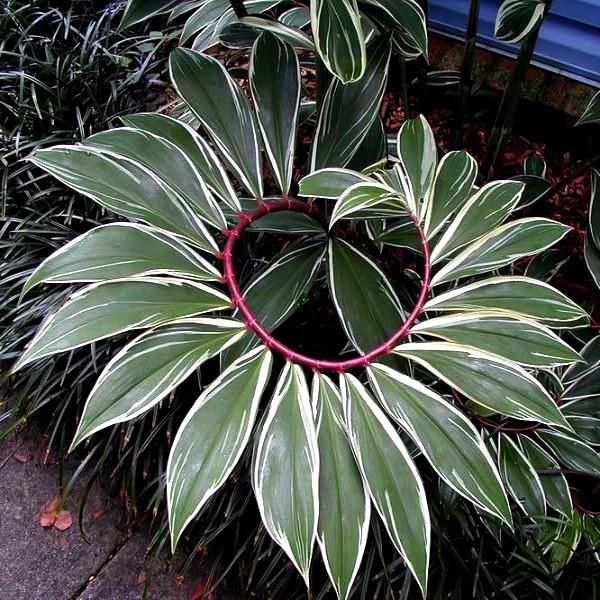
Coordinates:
38	563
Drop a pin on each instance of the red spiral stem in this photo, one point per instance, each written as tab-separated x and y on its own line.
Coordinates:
238	300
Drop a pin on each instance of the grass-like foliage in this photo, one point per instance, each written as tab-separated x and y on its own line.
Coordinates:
420	374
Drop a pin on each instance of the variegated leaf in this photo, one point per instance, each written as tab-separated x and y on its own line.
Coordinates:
297	17
212	437
512	295
140	10
407	18
197	150
570	451
344	504
594	213
339	37
517	339
491	382
209	34
565	542
400	233
591	114
447	438
121	250
109	308
367	201
166	161
294	37
147	369
348	111
452	186
275	293
220	105
501	247
586	427
391	477
125	188
516	19
204	16
556	488
591	253
418	153
330	183
285	469
521	479
277	113
365	301
486	209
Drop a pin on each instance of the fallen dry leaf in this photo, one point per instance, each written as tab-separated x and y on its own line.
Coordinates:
63	520
23	457
51	518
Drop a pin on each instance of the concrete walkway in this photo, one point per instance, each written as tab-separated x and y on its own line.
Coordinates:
40	563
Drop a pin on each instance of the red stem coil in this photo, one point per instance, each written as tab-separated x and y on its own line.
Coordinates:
238	300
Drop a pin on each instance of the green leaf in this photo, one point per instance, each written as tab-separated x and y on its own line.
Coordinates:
511	295
222	108
501	247
147	369
486	209
275	293
330	183
349	110
140	10
344	504
117	251
555	486
408	20
391	477
339	37
446	438
166	161
109	308
516	19
125	188
517	339
489	381
521	479
294	37
452	185
285	469
193	146
418	153
366	303
367	201
591	114
212	437
570	451
276	106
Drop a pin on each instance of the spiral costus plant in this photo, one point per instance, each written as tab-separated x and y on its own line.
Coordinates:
474	342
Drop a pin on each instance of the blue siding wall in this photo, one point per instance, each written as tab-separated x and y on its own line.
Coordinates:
569	40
